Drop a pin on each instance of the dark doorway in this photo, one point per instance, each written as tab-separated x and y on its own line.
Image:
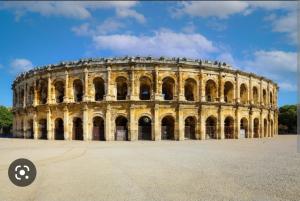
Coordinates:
145	128
59	129
43	129
256	128
121	88
244	128
78	90
98	129
30	129
167	128
265	128
229	128
211	128
190	128
121	128
99	89
168	88
77	129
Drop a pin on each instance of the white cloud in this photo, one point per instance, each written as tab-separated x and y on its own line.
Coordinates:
75	9
20	65
223	9
162	43
287	86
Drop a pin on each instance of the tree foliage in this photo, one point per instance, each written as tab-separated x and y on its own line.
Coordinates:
6	117
287	119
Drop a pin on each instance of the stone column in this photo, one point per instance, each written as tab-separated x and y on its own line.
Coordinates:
250	98
202	87
261	125
132	91
237	123
85	123
180	123
132	125
260	94
221	88
156	123
35	126
25	95
24	129
180	86
66	95
49	101
237	89
250	127
158	92
86	85
50	135
221	124
108	134
200	131
109	95
35	90
67	133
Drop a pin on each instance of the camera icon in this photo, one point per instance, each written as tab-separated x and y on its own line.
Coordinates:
22	172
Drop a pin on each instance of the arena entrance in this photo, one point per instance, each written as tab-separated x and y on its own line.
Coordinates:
43	129
256	128
229	128
77	129
190	128
121	128
167	128
244	128
98	128
59	129
30	130
145	129
265	128
211	128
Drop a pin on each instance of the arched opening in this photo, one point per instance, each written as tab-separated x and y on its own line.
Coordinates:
272	129
256	128
42	92
167	128
255	95
190	89
145	128
271	98
211	127
265	128
77	129
43	129
121	88
59	129
228	92
244	128
145	88
210	91
99	89
59	91
98	128
30	129
168	87
121	128
229	128
264	97
190	128
31	96
78	90
243	94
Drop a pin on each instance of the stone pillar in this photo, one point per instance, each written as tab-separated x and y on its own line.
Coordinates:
35	126
66	95
250	129
108	134
50	135
202	87
67	133
49	101
180	123
221	124
85	123
86	85
261	125
25	95
132	90
237	89
35	91
180	86
156	123
24	129
260	94
221	88
109	94
133	134
237	123
250	97
201	124
158	85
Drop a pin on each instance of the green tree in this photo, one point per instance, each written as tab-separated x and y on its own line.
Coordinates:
6	118
287	119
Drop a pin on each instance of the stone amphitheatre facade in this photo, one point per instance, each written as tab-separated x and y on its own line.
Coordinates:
143	98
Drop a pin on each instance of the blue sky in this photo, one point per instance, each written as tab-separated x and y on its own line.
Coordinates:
257	37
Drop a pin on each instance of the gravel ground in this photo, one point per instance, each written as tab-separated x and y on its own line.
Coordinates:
246	169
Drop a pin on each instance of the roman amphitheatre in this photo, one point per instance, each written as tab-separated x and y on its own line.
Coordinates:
143	98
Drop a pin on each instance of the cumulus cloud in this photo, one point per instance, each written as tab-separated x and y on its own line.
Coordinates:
75	9
224	9
161	43
20	65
